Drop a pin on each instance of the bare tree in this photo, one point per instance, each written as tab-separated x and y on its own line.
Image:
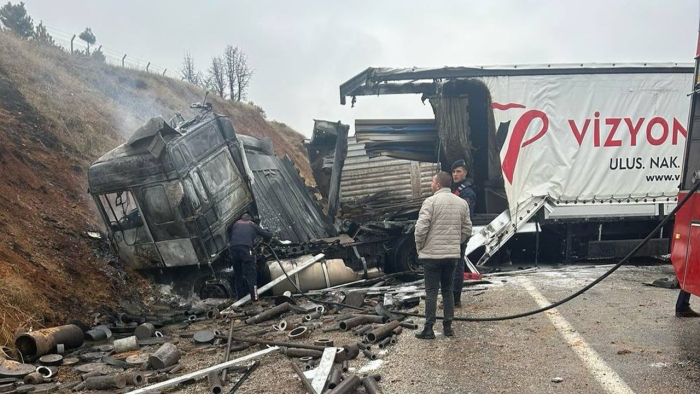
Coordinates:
238	73
243	75
230	56
189	71
216	79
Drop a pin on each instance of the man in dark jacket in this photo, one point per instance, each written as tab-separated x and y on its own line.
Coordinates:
243	234
462	188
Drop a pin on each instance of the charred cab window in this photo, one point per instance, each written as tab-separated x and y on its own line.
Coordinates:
158	205
200	187
189	190
178	159
121	210
202	141
219	173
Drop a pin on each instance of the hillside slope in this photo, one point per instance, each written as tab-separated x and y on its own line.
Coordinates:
58	113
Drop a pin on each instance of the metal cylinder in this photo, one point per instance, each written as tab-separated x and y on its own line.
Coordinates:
299	332
362	330
382	331
312	316
269	314
371	385
165	356
364	346
47	372
213	313
336	377
357	320
126	344
296	352
34	378
393	339
41	342
348	385
215	385
134	378
398	330
369	354
310	364
409	325
384	342
96	335
105	382
345	366
324	342
145	330
303	378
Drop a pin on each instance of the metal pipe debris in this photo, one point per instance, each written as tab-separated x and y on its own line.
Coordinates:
105	382
204	372
303	378
345	366
384	342
41	342
369	354
280	344
336	377
126	345
371	385
228	348
358	320
269	314
215	386
245	377
34	378
347	386
145	330
165	356
382	331
134	378
296	352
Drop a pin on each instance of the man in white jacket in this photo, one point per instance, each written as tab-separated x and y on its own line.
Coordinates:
443	225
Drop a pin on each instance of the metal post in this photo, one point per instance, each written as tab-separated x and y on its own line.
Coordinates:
71	44
537	238
123	59
164	71
148	65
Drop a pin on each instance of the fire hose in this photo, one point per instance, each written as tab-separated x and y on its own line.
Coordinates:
614	268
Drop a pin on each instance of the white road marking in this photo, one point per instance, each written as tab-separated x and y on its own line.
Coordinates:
601	371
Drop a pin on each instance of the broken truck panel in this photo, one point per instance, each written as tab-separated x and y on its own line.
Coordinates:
409	139
284	203
168	196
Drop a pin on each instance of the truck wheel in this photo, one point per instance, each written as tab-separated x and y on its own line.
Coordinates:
405	255
215	288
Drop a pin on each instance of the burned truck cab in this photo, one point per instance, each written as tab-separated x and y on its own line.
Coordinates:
168	196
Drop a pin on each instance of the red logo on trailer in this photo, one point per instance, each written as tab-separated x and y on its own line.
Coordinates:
517	138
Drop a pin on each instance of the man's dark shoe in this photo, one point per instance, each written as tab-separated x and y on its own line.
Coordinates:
427	333
687	313
447	330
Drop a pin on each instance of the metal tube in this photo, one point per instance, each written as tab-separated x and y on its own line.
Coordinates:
369	354
371	385
398	330
384	342
269	314
347	386
364	346
228	349
345	366
296	352
383	331
362	330
203	372
358	320
336	377
303	378
409	325
280	344
244	377
215	386
41	342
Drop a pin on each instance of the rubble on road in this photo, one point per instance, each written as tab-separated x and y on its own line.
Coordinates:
325	341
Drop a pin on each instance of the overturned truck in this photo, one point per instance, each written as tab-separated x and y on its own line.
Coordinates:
170	194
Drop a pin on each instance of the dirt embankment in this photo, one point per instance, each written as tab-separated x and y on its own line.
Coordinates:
58	113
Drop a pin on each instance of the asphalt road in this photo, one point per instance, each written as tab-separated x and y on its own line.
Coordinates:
620	337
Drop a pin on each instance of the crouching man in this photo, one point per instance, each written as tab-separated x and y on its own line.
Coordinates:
443	225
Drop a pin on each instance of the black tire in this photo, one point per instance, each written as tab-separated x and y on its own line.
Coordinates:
405	255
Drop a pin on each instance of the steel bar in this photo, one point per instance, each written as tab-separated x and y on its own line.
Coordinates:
203	372
280	344
228	349
277	280
303	378
245	377
324	369
269	314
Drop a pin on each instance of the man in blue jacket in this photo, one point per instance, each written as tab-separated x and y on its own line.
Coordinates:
462	188
243	234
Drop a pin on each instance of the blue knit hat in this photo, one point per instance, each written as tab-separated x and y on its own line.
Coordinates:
459	163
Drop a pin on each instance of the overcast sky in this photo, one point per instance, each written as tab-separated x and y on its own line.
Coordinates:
303	50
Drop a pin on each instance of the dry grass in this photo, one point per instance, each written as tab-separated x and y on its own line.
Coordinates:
58	113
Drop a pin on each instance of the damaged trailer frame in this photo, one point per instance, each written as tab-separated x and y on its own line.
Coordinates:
169	195
476	113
